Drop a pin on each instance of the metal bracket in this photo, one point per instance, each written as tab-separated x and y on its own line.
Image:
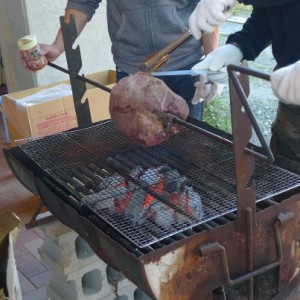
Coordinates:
214	247
73	57
242	92
243	121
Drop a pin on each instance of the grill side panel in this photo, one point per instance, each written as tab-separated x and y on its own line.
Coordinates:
188	271
184	272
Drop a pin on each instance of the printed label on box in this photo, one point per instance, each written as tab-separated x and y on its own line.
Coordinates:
54	123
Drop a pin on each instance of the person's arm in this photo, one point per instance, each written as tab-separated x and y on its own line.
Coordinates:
57	47
255	35
209	14
83	12
286	84
245	44
210	41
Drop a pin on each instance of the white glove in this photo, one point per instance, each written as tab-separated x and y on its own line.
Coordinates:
209	14
217	60
286	84
206	90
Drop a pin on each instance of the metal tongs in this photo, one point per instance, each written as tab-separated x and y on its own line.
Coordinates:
156	60
150	64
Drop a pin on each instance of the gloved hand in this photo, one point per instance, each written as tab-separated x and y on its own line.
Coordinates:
286	84
209	14
206	90
217	60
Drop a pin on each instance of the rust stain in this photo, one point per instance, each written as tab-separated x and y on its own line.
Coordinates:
295	254
163	271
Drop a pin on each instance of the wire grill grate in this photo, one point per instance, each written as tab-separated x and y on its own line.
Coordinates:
101	169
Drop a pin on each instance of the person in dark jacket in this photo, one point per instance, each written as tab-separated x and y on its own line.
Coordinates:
276	23
138	29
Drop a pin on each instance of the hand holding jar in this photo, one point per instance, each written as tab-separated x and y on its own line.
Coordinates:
30	53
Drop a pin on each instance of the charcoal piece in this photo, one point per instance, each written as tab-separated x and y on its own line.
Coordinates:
151	176
136	210
137	205
174	182
195	203
136	172
163	215
175	185
105	198
111	181
188	201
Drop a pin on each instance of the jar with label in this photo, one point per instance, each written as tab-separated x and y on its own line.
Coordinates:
30	50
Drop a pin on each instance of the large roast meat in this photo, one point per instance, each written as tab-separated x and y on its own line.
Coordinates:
136	106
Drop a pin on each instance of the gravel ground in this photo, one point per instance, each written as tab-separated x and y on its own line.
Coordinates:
262	101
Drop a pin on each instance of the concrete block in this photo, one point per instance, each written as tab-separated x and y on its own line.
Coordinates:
77	273
89	282
67	251
125	293
130	292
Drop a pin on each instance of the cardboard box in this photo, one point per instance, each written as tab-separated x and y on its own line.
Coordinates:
34	119
9	280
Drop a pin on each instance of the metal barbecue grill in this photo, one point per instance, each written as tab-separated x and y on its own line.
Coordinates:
207	209
203	210
80	161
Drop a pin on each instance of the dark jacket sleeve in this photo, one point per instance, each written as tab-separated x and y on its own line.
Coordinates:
255	35
87	7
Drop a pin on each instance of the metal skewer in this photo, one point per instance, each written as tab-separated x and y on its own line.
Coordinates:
81	77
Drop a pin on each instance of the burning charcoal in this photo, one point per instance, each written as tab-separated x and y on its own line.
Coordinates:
136	211
105	198
151	176
136	172
164	169
195	203
174	182
115	194
172	186
121	200
189	201
112	181
175	185
163	215
137	205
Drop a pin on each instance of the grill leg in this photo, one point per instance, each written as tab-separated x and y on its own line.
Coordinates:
39	218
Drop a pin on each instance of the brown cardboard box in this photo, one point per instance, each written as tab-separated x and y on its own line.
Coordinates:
46	117
9	280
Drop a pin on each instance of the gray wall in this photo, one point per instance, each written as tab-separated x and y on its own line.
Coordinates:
41	18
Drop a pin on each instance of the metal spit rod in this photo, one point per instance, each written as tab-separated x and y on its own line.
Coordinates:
173	119
81	77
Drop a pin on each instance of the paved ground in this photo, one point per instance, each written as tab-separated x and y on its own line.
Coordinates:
33	274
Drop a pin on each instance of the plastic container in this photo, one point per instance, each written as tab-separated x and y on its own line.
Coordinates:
30	50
